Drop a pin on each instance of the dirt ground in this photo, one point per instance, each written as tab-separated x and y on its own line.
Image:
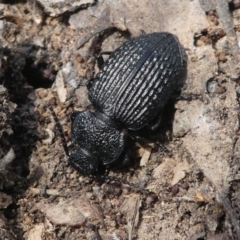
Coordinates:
48	50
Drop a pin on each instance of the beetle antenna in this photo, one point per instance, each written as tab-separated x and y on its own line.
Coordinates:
59	127
123	181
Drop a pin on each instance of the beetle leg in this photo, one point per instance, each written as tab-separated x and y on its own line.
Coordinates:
141	140
163	148
59	128
123	181
125	161
139	135
186	97
107	170
89	83
135	136
154	124
100	60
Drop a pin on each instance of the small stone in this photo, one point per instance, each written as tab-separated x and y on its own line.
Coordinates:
42	93
151	199
175	189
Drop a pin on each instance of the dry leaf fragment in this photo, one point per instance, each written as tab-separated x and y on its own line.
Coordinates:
199	197
180	171
146	155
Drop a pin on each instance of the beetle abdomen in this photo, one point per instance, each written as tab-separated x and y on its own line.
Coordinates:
138	79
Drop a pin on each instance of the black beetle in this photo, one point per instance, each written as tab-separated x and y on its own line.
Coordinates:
128	93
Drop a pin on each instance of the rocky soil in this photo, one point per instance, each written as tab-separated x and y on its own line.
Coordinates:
48	51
